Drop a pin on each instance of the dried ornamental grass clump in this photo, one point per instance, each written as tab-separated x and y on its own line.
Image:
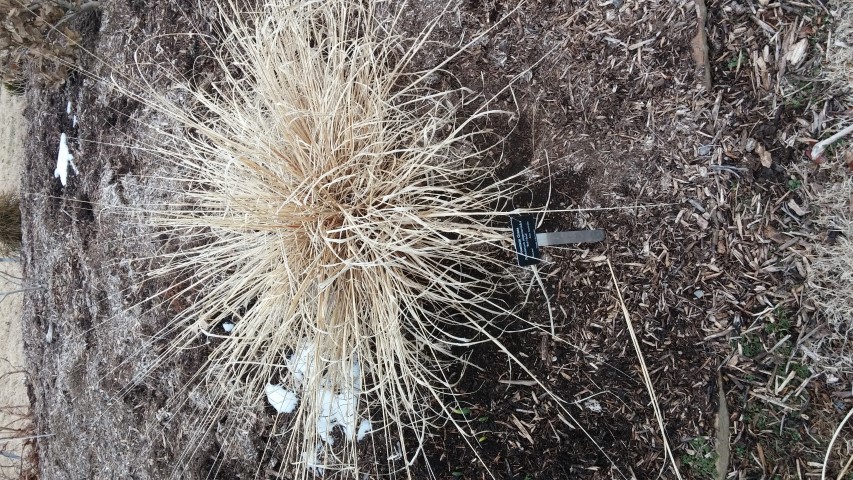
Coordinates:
831	273
341	235
839	55
10	223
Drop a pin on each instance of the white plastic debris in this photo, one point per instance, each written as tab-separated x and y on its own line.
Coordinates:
301	362
363	429
336	410
228	326
68	108
311	460
338	402
63	160
74	121
283	400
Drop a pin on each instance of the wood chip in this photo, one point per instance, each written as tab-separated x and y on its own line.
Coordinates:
798	52
522	430
792	204
774	401
763	155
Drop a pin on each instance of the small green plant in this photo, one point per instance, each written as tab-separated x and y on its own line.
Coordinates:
761	419
700	458
734	61
751	345
801	95
781	324
802	370
793	435
795	104
10	223
794	184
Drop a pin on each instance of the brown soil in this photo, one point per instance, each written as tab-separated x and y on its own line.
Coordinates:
612	113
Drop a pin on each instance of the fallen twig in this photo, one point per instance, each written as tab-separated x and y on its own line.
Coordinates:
817	150
832	442
700	45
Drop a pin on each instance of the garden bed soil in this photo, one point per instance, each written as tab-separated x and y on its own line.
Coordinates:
612	113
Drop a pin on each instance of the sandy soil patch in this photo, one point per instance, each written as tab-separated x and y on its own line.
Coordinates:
14	405
12	128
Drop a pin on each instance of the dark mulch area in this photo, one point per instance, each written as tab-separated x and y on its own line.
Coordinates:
612	114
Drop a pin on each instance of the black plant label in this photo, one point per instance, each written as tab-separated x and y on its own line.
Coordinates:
524	235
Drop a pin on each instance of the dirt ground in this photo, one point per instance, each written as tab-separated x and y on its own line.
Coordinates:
14	404
616	113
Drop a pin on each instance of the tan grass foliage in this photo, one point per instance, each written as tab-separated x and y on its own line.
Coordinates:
831	276
337	209
10	223
839	65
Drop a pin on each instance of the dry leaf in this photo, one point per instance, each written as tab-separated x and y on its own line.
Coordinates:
22	37
763	155
798	52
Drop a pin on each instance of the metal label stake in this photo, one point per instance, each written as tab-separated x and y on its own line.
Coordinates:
527	241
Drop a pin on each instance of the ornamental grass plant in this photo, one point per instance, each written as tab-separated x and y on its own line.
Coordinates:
338	220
